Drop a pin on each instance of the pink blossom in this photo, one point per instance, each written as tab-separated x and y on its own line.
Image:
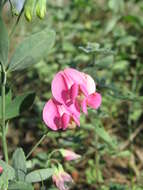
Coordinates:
73	87
56	116
1	169
69	155
61	178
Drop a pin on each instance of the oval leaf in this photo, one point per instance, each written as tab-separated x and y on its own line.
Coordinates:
19	164
32	49
8	170
19	104
39	175
8	174
18	185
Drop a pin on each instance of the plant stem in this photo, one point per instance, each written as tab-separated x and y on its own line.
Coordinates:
53	152
36	145
4	143
17	21
97	159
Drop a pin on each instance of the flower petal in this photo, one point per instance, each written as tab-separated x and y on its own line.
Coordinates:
83	89
74	109
84	106
90	84
94	100
65	120
74	75
51	115
76	120
59	88
74	91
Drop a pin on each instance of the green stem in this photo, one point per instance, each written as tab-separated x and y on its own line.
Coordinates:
97	159
4	143
36	145
16	23
54	161
53	152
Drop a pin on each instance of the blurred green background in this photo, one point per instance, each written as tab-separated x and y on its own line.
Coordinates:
105	39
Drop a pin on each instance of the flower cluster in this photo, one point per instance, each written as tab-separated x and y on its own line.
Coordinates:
73	92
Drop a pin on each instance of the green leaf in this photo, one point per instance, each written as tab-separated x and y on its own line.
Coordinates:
8	170
122	154
19	164
111	24
39	175
104	62
4	42
116	6
18	185
8	174
100	131
19	104
32	49
120	66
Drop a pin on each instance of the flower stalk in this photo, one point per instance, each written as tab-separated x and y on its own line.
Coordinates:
36	145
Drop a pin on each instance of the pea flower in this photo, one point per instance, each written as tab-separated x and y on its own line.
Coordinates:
61	178
69	155
1	169
73	87
56	116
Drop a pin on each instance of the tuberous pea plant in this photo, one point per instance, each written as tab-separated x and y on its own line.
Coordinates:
72	93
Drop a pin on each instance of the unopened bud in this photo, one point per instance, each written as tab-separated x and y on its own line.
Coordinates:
29	9
1	170
69	155
41	8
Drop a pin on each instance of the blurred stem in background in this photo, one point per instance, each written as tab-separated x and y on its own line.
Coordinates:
3	84
97	159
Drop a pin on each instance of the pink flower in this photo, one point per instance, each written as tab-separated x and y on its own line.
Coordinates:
73	87
1	169
69	155
60	177
56	116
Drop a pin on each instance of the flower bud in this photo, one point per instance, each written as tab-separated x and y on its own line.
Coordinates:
29	9
1	170
41	8
69	155
61	178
